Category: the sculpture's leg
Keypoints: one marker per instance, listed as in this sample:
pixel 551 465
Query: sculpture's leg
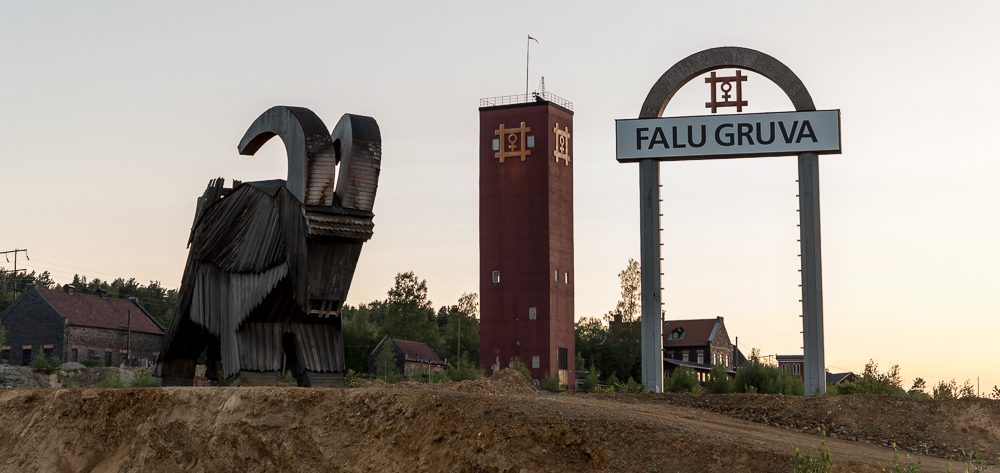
pixel 176 372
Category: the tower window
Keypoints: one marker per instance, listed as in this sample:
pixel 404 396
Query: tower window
pixel 496 277
pixel 531 141
pixel 496 144
pixel 567 278
pixel 536 361
pixel 563 354
pixel 557 275
pixel 532 313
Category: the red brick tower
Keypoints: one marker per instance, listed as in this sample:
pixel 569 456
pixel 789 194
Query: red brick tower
pixel 526 234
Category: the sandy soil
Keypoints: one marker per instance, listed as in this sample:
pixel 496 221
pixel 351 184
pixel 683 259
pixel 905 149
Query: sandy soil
pixel 495 425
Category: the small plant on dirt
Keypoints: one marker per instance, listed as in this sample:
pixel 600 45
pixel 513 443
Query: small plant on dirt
pixel 551 383
pixel 968 390
pixel 113 381
pixel 91 363
pixel 222 380
pixel 45 364
pixel 353 379
pixel 821 463
pixel 996 392
pixel 288 378
pixel 144 381
pixel 516 364
pixel 973 461
pixel 897 467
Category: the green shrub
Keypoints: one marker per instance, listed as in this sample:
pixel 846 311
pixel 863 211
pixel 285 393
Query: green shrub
pixel 353 379
pixel 551 383
pixel 45 364
pixel 464 370
pixel 113 381
pixel 289 377
pixel 757 377
pixel 517 365
pixel 633 386
pixel 945 390
pixel 684 378
pixel 144 381
pixel 873 382
pixel 590 382
pixel 718 380
pixel 91 363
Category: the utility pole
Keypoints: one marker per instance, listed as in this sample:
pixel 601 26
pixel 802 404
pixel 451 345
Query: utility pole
pixel 459 348
pixel 14 272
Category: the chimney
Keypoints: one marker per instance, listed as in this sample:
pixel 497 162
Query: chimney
pixel 102 293
pixel 69 289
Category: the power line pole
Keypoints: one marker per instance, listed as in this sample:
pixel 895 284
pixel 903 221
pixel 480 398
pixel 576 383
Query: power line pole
pixel 14 272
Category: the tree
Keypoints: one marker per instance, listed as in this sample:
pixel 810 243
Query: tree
pixel 409 315
pixel 873 382
pixel 462 325
pixel 589 332
pixel 718 380
pixel 385 362
pixel 621 352
pixel 945 390
pixel 919 385
pixel 360 338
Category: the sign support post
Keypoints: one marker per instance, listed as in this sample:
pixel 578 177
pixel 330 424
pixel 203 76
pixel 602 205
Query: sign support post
pixel 649 267
pixel 814 376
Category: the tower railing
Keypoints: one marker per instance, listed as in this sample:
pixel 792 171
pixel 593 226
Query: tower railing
pixel 522 98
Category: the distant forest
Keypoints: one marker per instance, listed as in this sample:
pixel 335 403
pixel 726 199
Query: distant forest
pixel 153 297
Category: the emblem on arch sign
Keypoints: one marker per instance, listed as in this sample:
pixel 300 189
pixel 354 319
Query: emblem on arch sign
pixel 512 142
pixel 561 150
pixel 725 85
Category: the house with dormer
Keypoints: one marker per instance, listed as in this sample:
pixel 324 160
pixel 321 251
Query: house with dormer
pixel 698 344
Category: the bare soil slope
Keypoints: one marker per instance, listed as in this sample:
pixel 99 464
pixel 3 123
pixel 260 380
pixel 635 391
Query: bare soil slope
pixel 499 425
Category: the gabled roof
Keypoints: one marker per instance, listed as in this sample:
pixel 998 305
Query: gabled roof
pixel 416 351
pixel 690 364
pixel 837 378
pixel 696 332
pixel 85 310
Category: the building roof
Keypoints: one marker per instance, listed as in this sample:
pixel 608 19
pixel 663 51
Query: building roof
pixel 85 310
pixel 696 332
pixel 414 351
pixel 837 378
pixel 690 364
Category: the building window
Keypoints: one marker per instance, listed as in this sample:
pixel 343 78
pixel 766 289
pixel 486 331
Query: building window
pixel 701 357
pixel 90 353
pixel 26 355
pixel 107 357
pixel 557 275
pixel 563 358
pixel 676 334
pixel 47 350
pixel 496 277
pixel 567 278
pixel 74 355
pixel 5 355
pixel 684 355
pixel 536 361
pixel 532 313
pixel 795 369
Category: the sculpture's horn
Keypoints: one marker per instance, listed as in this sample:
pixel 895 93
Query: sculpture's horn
pixel 358 144
pixel 304 135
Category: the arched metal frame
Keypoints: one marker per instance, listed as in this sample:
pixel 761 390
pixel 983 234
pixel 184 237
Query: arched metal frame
pixel 809 221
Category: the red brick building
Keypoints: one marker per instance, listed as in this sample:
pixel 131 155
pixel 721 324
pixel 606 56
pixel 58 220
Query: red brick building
pixel 526 234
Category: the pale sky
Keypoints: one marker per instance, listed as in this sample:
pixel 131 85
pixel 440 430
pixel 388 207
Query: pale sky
pixel 115 115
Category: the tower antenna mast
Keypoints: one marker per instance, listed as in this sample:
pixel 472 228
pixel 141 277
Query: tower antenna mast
pixel 527 66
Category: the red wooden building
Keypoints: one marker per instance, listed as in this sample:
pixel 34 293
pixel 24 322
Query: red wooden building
pixel 526 234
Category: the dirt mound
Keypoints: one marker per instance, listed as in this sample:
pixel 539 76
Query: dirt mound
pixel 419 427
pixel 943 428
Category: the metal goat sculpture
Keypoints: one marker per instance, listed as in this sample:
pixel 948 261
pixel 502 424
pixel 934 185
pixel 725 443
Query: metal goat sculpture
pixel 270 262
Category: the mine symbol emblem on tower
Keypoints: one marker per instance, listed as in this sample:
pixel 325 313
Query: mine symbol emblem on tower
pixel 562 144
pixel 513 142
pixel 726 85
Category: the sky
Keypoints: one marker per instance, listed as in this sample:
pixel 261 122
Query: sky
pixel 115 115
